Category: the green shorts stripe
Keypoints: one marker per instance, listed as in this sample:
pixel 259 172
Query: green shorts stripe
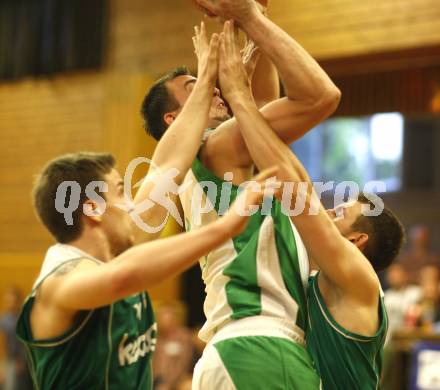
pixel 263 362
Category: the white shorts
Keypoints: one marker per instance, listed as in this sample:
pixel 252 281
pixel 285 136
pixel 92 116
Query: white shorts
pixel 255 353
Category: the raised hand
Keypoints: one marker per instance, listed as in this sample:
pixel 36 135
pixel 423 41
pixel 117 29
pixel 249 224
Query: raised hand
pixel 250 55
pixel 207 53
pixel 234 80
pixel 249 200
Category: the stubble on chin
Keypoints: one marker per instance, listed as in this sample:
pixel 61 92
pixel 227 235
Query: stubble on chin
pixel 222 118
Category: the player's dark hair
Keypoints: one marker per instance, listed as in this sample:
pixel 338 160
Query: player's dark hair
pixel 158 102
pixel 385 235
pixel 83 168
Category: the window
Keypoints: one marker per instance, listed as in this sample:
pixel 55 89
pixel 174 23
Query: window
pixel 355 149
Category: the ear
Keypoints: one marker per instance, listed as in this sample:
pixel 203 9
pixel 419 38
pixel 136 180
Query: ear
pixel 92 211
pixel 169 117
pixel 358 239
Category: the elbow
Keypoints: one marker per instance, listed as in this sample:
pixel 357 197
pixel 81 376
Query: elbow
pixel 119 283
pixel 335 98
pixel 328 101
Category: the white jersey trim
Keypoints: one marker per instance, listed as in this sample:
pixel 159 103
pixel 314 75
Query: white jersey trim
pixel 260 326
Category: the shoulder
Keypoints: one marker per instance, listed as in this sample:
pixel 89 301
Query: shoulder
pixel 72 265
pixel 58 275
pixel 226 144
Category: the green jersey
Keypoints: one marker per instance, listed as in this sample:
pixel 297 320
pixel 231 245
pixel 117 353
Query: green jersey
pixel 261 272
pixel 108 348
pixel 343 359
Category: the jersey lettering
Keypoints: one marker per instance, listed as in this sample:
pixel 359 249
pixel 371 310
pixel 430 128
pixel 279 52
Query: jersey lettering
pixel 130 353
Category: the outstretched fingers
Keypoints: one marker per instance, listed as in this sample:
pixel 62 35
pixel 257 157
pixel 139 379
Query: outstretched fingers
pixel 214 47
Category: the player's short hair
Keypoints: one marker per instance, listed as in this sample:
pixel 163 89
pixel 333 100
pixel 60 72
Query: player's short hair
pixel 386 235
pixel 83 168
pixel 158 102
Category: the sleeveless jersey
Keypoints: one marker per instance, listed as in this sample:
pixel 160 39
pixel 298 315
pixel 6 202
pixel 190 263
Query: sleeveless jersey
pixel 108 348
pixel 263 271
pixel 343 359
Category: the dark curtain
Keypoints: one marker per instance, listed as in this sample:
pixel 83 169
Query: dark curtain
pixel 43 37
pixel 408 91
pixel 404 81
pixel 193 294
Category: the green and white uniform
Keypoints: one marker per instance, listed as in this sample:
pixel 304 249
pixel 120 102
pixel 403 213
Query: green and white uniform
pixel 344 360
pixel 255 307
pixel 108 348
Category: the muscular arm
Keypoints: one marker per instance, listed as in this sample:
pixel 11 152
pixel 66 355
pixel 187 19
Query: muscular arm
pixel 303 79
pixel 338 258
pixel 310 95
pixel 265 82
pixel 180 143
pixel 85 285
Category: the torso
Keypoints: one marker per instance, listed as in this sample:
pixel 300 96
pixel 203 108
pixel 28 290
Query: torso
pixel 344 358
pixel 263 271
pixel 106 348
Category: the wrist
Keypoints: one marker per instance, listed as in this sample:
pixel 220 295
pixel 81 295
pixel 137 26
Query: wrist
pixel 219 229
pixel 248 23
pixel 240 101
pixel 205 81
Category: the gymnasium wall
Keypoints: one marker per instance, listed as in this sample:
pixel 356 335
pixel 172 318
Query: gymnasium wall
pixel 40 119
pixel 156 37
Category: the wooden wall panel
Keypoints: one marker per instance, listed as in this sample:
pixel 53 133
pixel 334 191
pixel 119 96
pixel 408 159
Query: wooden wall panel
pixel 157 37
pixel 39 120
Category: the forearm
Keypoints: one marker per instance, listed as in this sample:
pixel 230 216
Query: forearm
pixel 264 145
pixel 303 78
pixel 176 150
pixel 265 82
pixel 339 260
pixel 135 270
pixel 148 264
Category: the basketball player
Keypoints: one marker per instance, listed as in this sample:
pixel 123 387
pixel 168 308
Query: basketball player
pixel 256 303
pixel 89 323
pixel 347 318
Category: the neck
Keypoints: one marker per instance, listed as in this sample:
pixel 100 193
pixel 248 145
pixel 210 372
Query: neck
pixel 95 244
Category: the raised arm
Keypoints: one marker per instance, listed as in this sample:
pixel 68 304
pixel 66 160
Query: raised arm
pixel 263 74
pixel 180 143
pixel 337 258
pixel 85 285
pixel 304 80
pixel 310 94
pixel 265 82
